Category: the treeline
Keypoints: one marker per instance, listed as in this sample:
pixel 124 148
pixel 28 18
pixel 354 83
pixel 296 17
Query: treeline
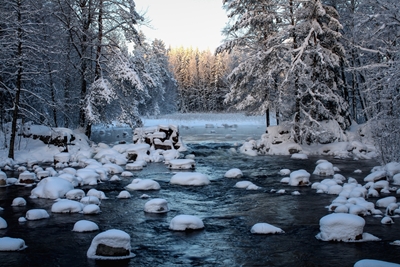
pixel 201 78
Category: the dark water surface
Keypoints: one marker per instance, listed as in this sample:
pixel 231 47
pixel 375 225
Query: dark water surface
pixel 227 212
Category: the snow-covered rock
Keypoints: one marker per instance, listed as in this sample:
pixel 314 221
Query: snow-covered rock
pixel 190 178
pixel 386 201
pixel 90 200
pixel 11 244
pixel 91 209
pixel 66 206
pixel 85 226
pixel 343 227
pixel 18 202
pixel 375 263
pixel 36 214
pixel 375 176
pixel 265 228
pixel 52 188
pixel 324 169
pixel 143 184
pixel 124 194
pixel 75 194
pixel 299 178
pixel 156 205
pixel 181 164
pixel 96 193
pixel 112 244
pixel 186 222
pixel 233 173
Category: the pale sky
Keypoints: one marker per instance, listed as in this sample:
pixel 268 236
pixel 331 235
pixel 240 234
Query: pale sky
pixel 196 23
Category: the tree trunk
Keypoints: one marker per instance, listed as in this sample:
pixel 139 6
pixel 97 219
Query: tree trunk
pixel 18 88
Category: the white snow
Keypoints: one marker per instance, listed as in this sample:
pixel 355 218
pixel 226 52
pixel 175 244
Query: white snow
pixel 156 205
pixel 85 226
pixel 324 169
pixel 143 184
pixel 265 228
pixel 190 178
pixel 11 244
pixel 233 173
pixel 246 185
pixel 186 222
pixel 112 238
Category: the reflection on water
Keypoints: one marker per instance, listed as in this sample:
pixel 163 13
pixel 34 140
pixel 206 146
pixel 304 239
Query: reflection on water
pixel 228 214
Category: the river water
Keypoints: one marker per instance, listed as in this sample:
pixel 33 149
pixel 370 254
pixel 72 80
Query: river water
pixel 227 212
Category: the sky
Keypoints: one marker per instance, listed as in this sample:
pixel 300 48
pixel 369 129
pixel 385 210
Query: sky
pixel 195 23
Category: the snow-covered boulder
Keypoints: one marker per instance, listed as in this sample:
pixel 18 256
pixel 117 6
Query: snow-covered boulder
pixel 75 181
pixel 156 205
pixel 343 227
pixel 18 202
pixel 124 194
pixel 52 188
pixel 96 193
pixel 265 228
pixel 66 206
pixel 75 194
pixel 85 226
pixel 135 166
pixel 90 200
pixel 27 177
pixel 324 168
pixel 284 172
pixel 138 152
pixel 375 176
pixel 181 164
pixel 190 178
pixel 110 245
pixel 91 209
pixel 143 184
pixel 186 222
pixel 88 176
pixel 233 173
pixel 246 185
pixel 375 263
pixel 299 178
pixel 386 201
pixel 36 214
pixel 11 244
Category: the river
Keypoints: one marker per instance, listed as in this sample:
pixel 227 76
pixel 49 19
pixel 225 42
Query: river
pixel 227 212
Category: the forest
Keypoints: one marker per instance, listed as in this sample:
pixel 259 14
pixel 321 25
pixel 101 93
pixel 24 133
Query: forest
pixel 77 63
